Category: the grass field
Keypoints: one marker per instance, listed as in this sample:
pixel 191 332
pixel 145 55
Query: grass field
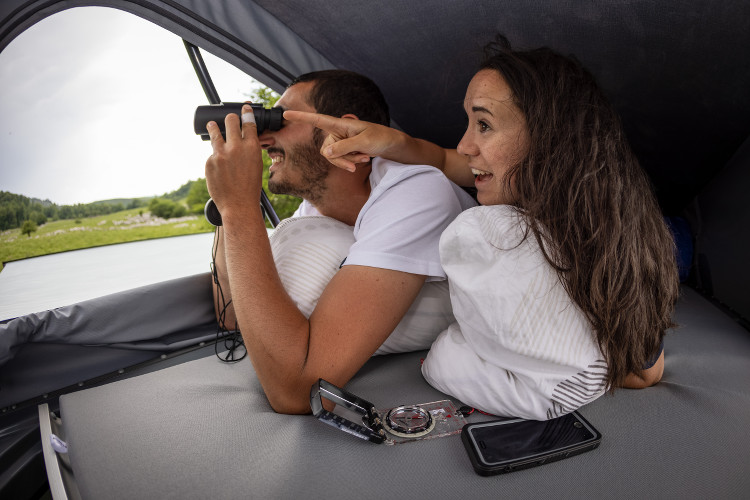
pixel 128 225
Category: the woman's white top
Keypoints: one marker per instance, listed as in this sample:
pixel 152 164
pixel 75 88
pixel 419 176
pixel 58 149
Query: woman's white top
pixel 520 346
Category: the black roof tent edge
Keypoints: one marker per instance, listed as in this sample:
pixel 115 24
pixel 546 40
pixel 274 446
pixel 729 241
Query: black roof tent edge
pixel 279 75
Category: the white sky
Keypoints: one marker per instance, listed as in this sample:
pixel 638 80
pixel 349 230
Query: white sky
pixel 97 104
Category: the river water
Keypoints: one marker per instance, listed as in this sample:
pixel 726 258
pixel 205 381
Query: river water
pixel 41 283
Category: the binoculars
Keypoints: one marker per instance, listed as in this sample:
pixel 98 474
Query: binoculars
pixel 265 118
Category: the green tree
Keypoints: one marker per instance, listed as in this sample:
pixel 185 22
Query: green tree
pixel 180 192
pixel 179 210
pixel 38 217
pixel 264 96
pixel 197 196
pixel 28 227
pixel 66 212
pixel 165 208
pixel 50 211
pixel 7 218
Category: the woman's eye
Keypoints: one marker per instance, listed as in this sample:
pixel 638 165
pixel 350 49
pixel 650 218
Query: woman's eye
pixel 483 127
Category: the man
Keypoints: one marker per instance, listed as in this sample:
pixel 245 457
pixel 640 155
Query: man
pixel 398 213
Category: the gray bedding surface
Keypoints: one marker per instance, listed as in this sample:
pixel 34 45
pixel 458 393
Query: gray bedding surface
pixel 203 429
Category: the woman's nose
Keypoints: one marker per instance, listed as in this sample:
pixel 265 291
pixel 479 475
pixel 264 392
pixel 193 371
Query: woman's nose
pixel 466 146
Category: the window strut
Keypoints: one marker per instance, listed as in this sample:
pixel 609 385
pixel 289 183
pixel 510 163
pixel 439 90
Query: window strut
pixel 204 78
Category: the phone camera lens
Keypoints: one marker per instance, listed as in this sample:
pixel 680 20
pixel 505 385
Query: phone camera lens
pixel 577 425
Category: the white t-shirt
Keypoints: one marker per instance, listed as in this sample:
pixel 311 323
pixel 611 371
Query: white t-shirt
pixel 520 346
pixel 398 228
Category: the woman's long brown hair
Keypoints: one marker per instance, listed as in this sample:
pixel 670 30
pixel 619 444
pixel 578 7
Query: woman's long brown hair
pixel 590 205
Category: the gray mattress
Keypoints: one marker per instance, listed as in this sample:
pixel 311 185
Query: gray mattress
pixel 203 429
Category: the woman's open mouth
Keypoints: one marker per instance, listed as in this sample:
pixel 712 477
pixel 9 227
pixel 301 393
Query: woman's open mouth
pixel 480 175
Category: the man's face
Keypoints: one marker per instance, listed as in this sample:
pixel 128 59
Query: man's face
pixel 297 167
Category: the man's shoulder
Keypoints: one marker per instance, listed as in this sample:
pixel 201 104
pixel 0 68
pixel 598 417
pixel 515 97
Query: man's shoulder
pixel 421 184
pixel 392 172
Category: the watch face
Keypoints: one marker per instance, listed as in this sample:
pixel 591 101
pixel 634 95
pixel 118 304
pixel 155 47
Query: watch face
pixel 409 421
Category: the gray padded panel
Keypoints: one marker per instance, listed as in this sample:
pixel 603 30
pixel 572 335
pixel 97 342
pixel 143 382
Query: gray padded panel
pixel 204 429
pixel 46 351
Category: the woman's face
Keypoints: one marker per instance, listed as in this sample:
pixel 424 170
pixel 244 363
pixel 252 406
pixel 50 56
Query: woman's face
pixel 496 138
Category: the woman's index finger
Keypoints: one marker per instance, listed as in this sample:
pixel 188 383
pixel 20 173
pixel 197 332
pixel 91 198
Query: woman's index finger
pixel 326 123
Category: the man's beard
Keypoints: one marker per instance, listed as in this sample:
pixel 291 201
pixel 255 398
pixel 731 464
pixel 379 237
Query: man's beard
pixel 313 170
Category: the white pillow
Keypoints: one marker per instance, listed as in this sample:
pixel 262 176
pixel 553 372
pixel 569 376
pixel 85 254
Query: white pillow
pixel 309 250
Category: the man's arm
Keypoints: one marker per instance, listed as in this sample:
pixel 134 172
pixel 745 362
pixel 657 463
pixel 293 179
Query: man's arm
pixel 355 314
pixel 222 292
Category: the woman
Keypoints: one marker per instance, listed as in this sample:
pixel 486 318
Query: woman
pixel 564 283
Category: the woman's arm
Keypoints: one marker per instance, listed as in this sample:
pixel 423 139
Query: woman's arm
pixel 648 377
pixel 419 151
pixel 351 141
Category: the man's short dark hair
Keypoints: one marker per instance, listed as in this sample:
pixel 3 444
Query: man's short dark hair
pixel 338 92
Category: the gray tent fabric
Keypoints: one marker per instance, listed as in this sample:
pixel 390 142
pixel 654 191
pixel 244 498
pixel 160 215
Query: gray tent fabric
pixel 106 333
pixel 243 33
pixel 204 429
pixel 678 76
pixel 127 320
pixel 673 74
pixel 721 218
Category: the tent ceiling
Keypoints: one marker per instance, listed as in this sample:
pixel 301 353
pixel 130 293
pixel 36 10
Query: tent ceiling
pixel 678 72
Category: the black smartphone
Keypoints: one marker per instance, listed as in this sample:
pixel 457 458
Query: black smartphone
pixel 502 446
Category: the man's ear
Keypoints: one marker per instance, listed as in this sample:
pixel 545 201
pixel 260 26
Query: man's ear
pixel 350 116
